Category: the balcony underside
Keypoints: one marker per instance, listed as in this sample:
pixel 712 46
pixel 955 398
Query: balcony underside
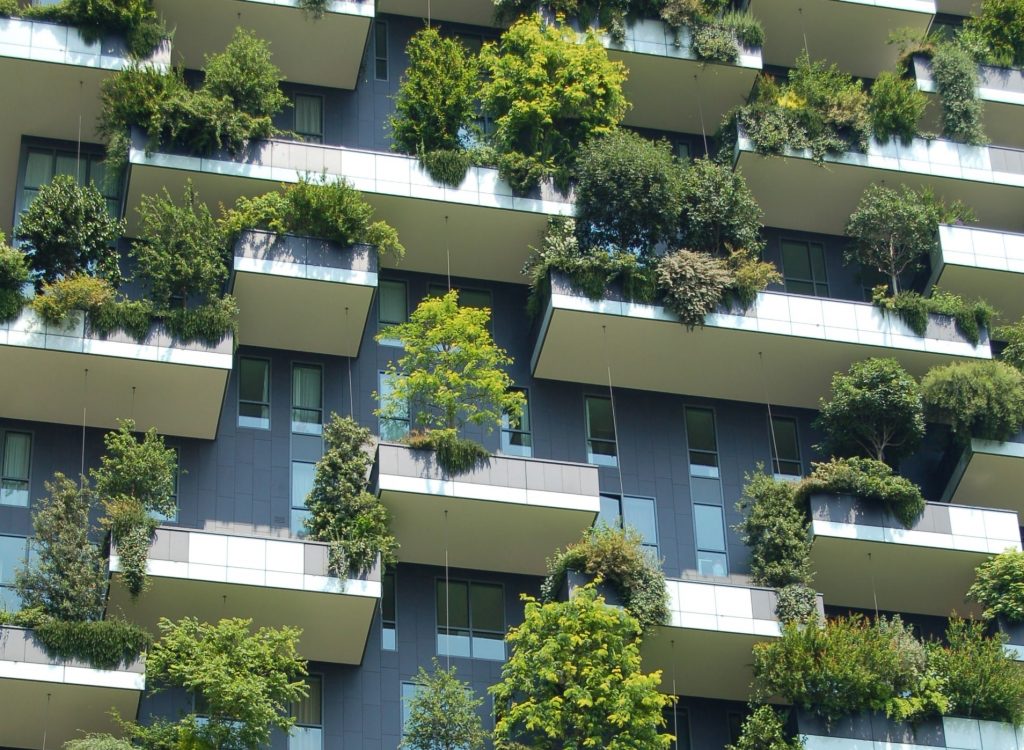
pixel 1002 289
pixel 989 473
pixel 702 663
pixel 470 12
pixel 334 626
pixel 481 242
pixel 798 193
pixel 827 26
pixel 203 27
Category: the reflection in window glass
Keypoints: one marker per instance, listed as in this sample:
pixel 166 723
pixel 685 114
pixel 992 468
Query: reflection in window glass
pixel 470 620
pixel 302 484
pixel 391 428
pixel 307 399
pixel 701 441
pixel 640 513
pixel 785 447
pixel 13 555
pixel 803 266
pixel 601 448
pixel 516 436
pixel 15 462
pixel 254 393
pixel 388 612
pixel 709 524
pixel 307 733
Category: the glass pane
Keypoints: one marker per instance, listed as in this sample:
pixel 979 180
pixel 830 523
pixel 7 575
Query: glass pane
pixel 487 605
pixel 305 738
pixel 302 482
pixel 609 515
pixel 388 639
pixel 795 261
pixel 799 287
pixel 306 390
pixel 703 464
pixel 639 513
pixel 307 711
pixel 67 164
pixel 700 431
pixel 381 39
pixel 297 522
pixel 409 690
pixel 38 168
pixel 710 527
pixel 309 115
pixel 785 446
pixel 817 255
pixel 474 298
pixel 17 451
pixel 254 380
pixel 392 305
pixel 9 600
pixel 599 420
pixel 14 492
pixel 456 604
pixel 12 557
pixel 712 564
pixel 387 602
pixel 455 643
pixel 488 647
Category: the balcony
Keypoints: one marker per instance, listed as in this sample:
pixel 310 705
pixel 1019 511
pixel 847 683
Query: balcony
pixel 51 81
pixel 981 263
pixel 1001 90
pixel 456 11
pixel 989 472
pixel 205 26
pixel 796 192
pixel 826 25
pixel 864 558
pixel 866 731
pixel 72 375
pixel 507 517
pixel 784 348
pixel 705 649
pixel 301 293
pixel 436 223
pixel 274 582
pixel 49 701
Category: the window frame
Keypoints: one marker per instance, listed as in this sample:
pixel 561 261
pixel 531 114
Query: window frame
pixel 320 676
pixel 707 550
pixel 814 283
pixel 379 58
pixel 620 523
pixel 26 553
pixel 393 574
pixel 270 393
pixel 92 154
pixel 704 471
pixel 297 513
pixel 600 459
pixel 773 440
pixel 381 421
pixel 295 364
pixel 4 432
pixel 442 630
pixel 508 432
pixel 317 138
pixel 385 324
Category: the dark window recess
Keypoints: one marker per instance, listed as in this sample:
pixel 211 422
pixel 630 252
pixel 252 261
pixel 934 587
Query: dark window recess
pixel 380 50
pixel 471 620
pixel 254 393
pixel 785 447
pixel 803 268
pixel 601 446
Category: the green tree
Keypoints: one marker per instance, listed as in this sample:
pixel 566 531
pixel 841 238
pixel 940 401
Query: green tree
pixel 65 579
pixel 775 529
pixel 180 253
pixel 67 230
pixel 245 74
pixel 244 680
pixel 574 681
pixel 763 729
pixel 896 106
pixel 956 81
pixel 548 92
pixel 14 274
pixel 628 192
pixel 1000 27
pixel 875 411
pixel 999 586
pixel 342 510
pixel 977 399
pixel 443 713
pixel 719 212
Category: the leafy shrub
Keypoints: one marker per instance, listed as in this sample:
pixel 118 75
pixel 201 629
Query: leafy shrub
pixel 875 411
pixel 104 644
pixel 774 527
pixel 628 193
pixel 693 284
pixel 796 602
pixel 1013 335
pixel 868 480
pixel 750 276
pixel 98 742
pixel 616 556
pixel 999 586
pixel 715 41
pixel 980 679
pixel 447 166
pixel 14 275
pixel 455 455
pixel 245 74
pixel 956 81
pixel 443 713
pixel 135 20
pixel 67 230
pixel 330 210
pixel 763 729
pixel 913 309
pixel 547 89
pixel 999 26
pixel 57 301
pixel 208 323
pixel 719 212
pixel 896 107
pixel 977 399
pixel 745 26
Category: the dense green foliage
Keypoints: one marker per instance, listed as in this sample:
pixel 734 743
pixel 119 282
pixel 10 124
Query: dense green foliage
pixel 135 20
pixel 342 510
pixel 547 93
pixel 99 742
pixel 65 578
pixel 956 81
pixel 66 231
pixel 329 210
pixel 719 214
pixel 977 399
pixel 896 107
pixel 455 454
pixel 436 104
pixel 443 713
pixel 875 411
pixel 245 75
pixel 617 557
pixel 1013 335
pixel 763 729
pixel 574 680
pixel 14 274
pixel 868 480
pixel 693 284
pixel 104 644
pixel 971 316
pixel 999 30
pixel 314 8
pixel 999 586
pixel 629 193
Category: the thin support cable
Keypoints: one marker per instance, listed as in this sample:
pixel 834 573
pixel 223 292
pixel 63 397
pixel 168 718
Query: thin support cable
pixel 351 395
pixel 615 421
pixel 448 251
pixel 874 592
pixel 675 694
pixel 85 407
pixel 78 143
pixel 768 402
pixel 447 601
pixel 46 719
pixel 803 30
pixel 133 403
pixel 700 111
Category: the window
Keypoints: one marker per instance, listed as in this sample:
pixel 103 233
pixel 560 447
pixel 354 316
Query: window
pixel 380 50
pixel 601 448
pixel 637 513
pixel 13 554
pixel 392 307
pixel 478 298
pixel 302 485
pixel 391 428
pixel 254 393
pixel 307 734
pixel 173 517
pixel 309 117
pixel 803 268
pixel 471 620
pixel 15 463
pixel 785 447
pixel 388 612
pixel 677 723
pixel 307 399
pixel 43 163
pixel 516 436
pixel 702 444
pixel 409 691
pixel 709 523
pixel 682 150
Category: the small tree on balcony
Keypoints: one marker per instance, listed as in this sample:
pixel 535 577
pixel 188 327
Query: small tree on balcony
pixel 443 713
pixel 14 274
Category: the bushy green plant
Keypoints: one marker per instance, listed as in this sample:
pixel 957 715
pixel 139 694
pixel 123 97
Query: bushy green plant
pixel 134 19
pixel 763 729
pixel 443 713
pixel 956 82
pixel 980 679
pixel 1013 335
pixel 745 26
pixel 999 586
pixel 57 301
pixel 342 510
pixel 868 480
pixel 617 557
pixel 796 602
pixel 896 107
pixel 999 27
pixel 98 742
pixel 104 644
pixel 447 166
pixel 714 41
pixel 314 8
pixel 65 577
pixel 455 455
pixel 719 212
pixel 971 317
pixel 629 193
pixel 548 92
pixel 750 275
pixel 875 411
pixel 977 399
pixel 556 689
pixel 245 74
pixel 209 323
pixel 774 527
pixel 693 284
pixel 67 230
pixel 14 274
